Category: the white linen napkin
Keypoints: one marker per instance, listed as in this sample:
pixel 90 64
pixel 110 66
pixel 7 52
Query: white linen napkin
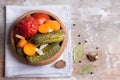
pixel 14 68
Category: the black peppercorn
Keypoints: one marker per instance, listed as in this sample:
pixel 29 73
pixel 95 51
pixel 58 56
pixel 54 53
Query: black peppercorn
pixel 78 35
pixel 79 43
pixel 73 24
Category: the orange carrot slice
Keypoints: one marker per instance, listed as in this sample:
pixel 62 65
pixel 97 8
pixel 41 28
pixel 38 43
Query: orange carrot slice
pixel 53 24
pixel 22 43
pixel 43 28
pixel 49 25
pixel 29 49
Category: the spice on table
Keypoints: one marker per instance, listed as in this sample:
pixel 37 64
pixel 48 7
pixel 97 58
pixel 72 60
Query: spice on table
pixel 91 73
pixel 97 48
pixel 80 61
pixel 78 35
pixel 92 56
pixel 78 53
pixel 60 64
pixel 79 43
pixel 85 69
pixel 85 41
pixel 73 24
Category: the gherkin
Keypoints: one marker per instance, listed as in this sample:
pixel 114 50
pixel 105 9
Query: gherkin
pixel 48 51
pixel 20 51
pixel 52 37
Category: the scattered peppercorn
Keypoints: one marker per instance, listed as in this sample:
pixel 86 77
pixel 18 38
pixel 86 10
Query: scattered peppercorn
pixel 60 64
pixel 80 61
pixel 97 48
pixel 79 43
pixel 73 24
pixel 91 73
pixel 78 35
pixel 85 41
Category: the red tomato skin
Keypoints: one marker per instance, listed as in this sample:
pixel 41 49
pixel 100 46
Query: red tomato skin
pixel 41 18
pixel 27 27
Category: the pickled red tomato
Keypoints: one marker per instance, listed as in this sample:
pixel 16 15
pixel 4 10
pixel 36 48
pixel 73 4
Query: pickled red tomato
pixel 27 27
pixel 41 17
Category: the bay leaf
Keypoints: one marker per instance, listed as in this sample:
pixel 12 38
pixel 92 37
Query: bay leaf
pixel 78 53
pixel 85 69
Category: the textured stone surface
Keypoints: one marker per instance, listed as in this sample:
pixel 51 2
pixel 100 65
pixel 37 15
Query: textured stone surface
pixel 96 21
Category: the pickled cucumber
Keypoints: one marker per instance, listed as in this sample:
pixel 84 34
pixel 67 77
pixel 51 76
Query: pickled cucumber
pixel 20 51
pixel 52 37
pixel 48 51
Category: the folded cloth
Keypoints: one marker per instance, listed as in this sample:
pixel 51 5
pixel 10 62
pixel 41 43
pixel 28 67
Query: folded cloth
pixel 14 68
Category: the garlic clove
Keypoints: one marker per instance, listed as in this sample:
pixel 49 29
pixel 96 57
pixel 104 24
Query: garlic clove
pixel 92 56
pixel 39 51
pixel 19 36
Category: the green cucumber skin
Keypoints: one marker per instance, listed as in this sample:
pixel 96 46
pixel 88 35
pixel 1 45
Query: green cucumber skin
pixel 52 37
pixel 48 51
pixel 20 51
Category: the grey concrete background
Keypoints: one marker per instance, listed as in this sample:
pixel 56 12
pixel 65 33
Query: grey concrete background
pixel 97 21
